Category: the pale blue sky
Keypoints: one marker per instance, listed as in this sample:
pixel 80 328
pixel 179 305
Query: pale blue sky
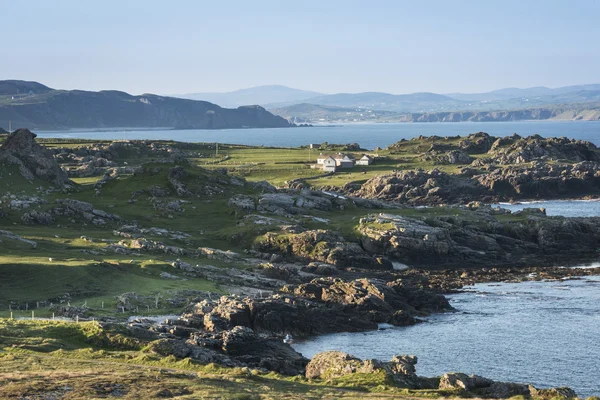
pixel 329 46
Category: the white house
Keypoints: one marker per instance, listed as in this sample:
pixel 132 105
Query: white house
pixel 344 160
pixel 322 157
pixel 365 160
pixel 329 164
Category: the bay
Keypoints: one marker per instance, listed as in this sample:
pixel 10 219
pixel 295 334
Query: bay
pixel 368 136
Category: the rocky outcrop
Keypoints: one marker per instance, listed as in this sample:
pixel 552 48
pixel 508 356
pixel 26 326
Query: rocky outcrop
pixel 288 203
pixel 37 218
pixel 448 157
pixel 517 150
pixel 85 210
pixel 320 245
pixel 506 169
pixel 396 302
pixel 461 240
pixel 176 174
pixel 487 388
pixel 500 184
pixel 33 160
pixel 401 371
pixel 334 364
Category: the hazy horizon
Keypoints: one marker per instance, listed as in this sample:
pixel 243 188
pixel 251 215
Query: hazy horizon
pixel 329 47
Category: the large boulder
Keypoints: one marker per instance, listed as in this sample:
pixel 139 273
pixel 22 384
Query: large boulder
pixel 32 159
pixel 335 364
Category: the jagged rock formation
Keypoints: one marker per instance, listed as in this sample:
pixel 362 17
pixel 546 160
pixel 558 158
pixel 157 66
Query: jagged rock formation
pixel 334 364
pixel 320 245
pixel 500 184
pixel 32 159
pixel 401 370
pixel 513 168
pixel 462 241
pixel 238 331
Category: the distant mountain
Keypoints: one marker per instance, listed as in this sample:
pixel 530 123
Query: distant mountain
pixel 387 101
pixel 511 93
pixel 312 113
pixel 32 105
pixel 260 95
pixel 503 99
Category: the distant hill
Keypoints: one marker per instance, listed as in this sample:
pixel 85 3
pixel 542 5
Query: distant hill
pixel 12 87
pixel 44 108
pixel 260 95
pixel 313 113
pixel 503 99
pixel 511 93
pixel 386 102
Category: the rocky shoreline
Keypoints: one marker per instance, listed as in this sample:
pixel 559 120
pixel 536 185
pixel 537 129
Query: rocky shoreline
pixel 248 332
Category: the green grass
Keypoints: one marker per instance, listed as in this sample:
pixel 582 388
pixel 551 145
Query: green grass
pixel 40 357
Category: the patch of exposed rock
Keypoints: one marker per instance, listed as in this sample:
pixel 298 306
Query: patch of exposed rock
pixel 401 370
pixel 511 183
pixel 461 240
pixel 71 207
pixel 33 160
pixel 320 245
pixel 334 364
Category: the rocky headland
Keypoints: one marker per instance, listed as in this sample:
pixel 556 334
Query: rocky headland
pixel 491 170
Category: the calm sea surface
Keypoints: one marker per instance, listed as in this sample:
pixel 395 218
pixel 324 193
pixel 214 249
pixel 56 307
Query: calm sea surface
pixel 368 136
pixel 544 333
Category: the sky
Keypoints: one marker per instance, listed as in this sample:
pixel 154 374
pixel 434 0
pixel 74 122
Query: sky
pixel 330 46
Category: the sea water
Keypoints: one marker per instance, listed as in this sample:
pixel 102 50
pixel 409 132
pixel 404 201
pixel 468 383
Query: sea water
pixel 543 333
pixel 369 136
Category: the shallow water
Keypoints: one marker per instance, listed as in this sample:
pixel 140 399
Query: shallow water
pixel 368 136
pixel 544 333
pixel 565 208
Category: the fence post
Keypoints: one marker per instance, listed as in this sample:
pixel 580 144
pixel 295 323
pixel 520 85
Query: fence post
pixel 11 315
pixel 32 315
